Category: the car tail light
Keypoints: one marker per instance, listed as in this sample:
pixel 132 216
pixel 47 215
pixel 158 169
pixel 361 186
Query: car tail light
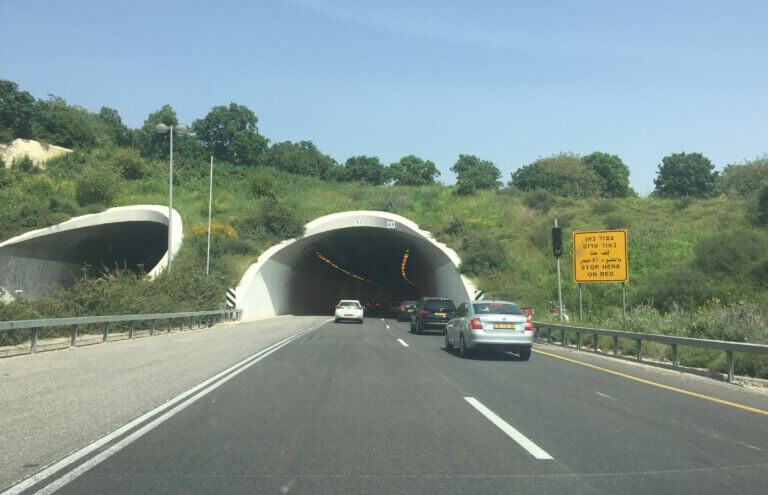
pixel 402 307
pixel 528 324
pixel 476 324
pixel 423 312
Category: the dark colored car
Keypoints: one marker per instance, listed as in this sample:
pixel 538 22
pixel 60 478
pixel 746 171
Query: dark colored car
pixel 393 309
pixel 406 310
pixel 432 313
pixel 373 308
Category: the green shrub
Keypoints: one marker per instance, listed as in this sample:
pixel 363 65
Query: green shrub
pixel 762 207
pixel 682 286
pixel 743 179
pixel 129 163
pixel 683 203
pixel 616 222
pixel 391 202
pixel 539 199
pixel 261 184
pixel 96 186
pixel 279 220
pixel 564 174
pixel 483 256
pixel 25 164
pixel 60 205
pixel 731 252
pixel 603 206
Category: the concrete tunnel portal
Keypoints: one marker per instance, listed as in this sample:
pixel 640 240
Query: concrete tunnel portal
pixel 351 255
pixel 33 264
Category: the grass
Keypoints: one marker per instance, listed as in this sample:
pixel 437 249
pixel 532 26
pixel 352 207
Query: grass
pixel 663 234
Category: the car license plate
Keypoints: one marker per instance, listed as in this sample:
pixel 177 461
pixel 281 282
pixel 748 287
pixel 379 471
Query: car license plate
pixel 439 314
pixel 348 314
pixel 503 325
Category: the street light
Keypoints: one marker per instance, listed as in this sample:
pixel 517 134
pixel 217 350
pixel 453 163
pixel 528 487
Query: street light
pixel 163 129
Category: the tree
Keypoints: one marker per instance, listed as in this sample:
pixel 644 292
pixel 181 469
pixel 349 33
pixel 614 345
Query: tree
pixel 17 111
pixel 302 158
pixel 613 173
pixel 413 171
pixel 363 169
pixel 230 134
pixel 473 173
pixel 70 126
pixel 119 132
pixel 156 146
pixel 745 178
pixel 564 175
pixel 685 174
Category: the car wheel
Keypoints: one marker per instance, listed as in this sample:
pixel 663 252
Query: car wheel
pixel 525 354
pixel 335 320
pixel 412 329
pixel 448 345
pixel 360 322
pixel 463 350
pixel 419 329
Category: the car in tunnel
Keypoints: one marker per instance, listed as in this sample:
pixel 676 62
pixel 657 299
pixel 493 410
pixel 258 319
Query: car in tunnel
pixel 349 309
pixel 432 313
pixel 490 325
pixel 406 310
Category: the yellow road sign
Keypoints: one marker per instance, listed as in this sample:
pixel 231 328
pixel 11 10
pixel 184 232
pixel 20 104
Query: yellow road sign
pixel 600 256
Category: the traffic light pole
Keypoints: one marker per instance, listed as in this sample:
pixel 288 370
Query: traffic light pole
pixel 559 289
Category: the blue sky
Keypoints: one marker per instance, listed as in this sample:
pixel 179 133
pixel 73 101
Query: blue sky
pixel 507 81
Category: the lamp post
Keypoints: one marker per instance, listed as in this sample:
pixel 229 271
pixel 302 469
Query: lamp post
pixel 163 129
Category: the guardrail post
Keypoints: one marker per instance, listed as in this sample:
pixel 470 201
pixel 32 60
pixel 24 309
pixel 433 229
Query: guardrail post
pixel 639 350
pixel 73 336
pixel 594 342
pixel 578 340
pixel 130 331
pixel 729 357
pixel 562 337
pixel 549 335
pixel 152 328
pixel 33 340
pixel 170 324
pixel 615 346
pixel 674 355
pixel 105 332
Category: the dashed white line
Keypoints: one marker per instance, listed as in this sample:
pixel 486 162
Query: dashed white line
pixel 603 395
pixel 403 342
pixel 387 327
pixel 515 435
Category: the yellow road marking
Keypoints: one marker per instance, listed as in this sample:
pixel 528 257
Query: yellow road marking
pixel 654 384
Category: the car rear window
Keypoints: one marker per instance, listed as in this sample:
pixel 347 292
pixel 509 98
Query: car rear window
pixel 349 304
pixel 497 308
pixel 437 304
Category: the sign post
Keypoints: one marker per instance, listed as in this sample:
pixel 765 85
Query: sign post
pixel 600 256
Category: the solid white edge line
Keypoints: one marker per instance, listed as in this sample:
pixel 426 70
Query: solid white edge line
pixel 403 342
pixel 97 444
pixel 515 435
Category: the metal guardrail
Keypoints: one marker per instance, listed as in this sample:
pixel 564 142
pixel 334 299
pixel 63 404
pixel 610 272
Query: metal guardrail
pixel 210 318
pixel 674 342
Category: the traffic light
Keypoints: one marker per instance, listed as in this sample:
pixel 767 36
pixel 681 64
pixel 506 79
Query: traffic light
pixel 557 241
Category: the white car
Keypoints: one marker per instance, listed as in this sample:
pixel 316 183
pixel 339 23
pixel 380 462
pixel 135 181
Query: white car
pixel 349 309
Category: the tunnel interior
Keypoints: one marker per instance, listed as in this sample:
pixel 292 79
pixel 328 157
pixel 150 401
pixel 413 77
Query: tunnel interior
pixel 32 268
pixel 310 275
pixel 328 268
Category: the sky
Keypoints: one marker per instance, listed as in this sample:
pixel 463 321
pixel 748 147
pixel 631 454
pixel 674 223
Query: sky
pixel 505 80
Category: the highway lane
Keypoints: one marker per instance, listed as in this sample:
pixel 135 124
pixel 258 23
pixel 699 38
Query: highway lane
pixel 349 408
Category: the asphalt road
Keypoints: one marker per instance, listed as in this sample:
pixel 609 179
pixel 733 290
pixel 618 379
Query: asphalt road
pixel 371 408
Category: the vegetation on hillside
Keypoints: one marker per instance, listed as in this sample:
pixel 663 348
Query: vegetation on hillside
pixel 698 256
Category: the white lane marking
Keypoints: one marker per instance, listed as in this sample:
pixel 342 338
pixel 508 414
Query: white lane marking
pixel 403 342
pixel 387 327
pixel 603 395
pixel 74 457
pixel 515 435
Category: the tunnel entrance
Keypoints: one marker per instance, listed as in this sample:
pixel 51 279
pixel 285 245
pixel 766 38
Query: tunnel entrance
pixel 34 264
pixel 352 255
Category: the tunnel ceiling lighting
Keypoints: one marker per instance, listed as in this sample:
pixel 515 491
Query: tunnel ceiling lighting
pixel 406 255
pixel 326 260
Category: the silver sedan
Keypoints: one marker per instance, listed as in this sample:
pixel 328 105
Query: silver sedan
pixel 492 325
